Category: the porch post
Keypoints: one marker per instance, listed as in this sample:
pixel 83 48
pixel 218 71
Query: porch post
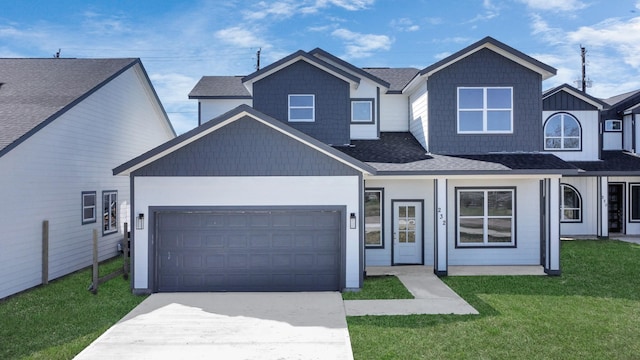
pixel 440 262
pixel 603 206
pixel 552 266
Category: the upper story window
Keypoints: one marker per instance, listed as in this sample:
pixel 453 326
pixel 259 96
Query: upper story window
pixel 485 110
pixel 362 111
pixel 613 125
pixel 302 108
pixel 562 132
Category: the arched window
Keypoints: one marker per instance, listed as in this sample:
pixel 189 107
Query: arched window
pixel 562 132
pixel 571 204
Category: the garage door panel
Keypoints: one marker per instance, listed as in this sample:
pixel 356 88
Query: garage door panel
pixel 273 250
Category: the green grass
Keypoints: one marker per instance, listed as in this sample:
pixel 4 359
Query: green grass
pixel 57 321
pixel 380 287
pixel 592 311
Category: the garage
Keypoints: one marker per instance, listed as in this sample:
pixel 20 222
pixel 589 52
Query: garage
pixel 249 249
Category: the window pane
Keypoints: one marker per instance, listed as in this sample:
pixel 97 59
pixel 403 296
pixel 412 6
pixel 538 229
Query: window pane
pixel 571 199
pixel 470 98
pixel 89 200
pixel 499 203
pixel 301 100
pixel 411 211
pixel 470 121
pixel 498 120
pixel 373 223
pixel 88 213
pixel 570 214
pixel 572 143
pixel 411 237
pixel 571 127
pixel 301 114
pixel 552 143
pixel 499 230
pixel 471 203
pixel 402 237
pixel 361 111
pixel 553 126
pixel 499 98
pixel 471 231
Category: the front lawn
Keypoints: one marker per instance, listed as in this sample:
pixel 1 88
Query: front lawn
pixel 57 321
pixel 592 311
pixel 379 287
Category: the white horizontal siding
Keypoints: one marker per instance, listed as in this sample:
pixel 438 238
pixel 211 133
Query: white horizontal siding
pixel 246 191
pixel 527 218
pixel 42 179
pixel 394 113
pixel 588 189
pixel 403 190
pixel 419 116
pixel 212 108
pixel 589 124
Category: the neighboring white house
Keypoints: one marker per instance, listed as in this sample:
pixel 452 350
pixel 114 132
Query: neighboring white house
pixel 64 124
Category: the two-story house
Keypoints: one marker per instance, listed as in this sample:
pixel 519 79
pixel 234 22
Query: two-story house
pixel 597 136
pixel 305 172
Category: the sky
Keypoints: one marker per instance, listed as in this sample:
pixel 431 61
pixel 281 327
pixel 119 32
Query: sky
pixel 181 41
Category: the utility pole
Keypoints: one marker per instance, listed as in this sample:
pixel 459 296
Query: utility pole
pixel 583 53
pixel 57 55
pixel 258 59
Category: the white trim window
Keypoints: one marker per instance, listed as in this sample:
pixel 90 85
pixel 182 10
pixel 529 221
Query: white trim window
pixel 613 125
pixel 88 207
pixel 302 108
pixel 373 199
pixel 110 212
pixel 562 132
pixel 362 111
pixel 571 204
pixel 485 217
pixel 485 110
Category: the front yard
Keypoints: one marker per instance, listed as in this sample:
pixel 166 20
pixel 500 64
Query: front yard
pixel 592 311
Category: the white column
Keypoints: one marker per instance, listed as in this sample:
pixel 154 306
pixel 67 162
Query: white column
pixel 604 206
pixel 441 262
pixel 553 243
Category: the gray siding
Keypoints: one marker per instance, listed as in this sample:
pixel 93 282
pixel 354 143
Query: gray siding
pixel 332 116
pixel 565 101
pixel 246 148
pixel 485 68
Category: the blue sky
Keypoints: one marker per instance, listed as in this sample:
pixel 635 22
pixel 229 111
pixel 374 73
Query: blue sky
pixel 180 41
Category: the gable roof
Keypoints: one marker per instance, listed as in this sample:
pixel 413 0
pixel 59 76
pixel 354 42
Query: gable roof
pixel 623 104
pixel 321 53
pixel 496 46
pixel 35 92
pixel 577 93
pixel 621 97
pixel 220 87
pixel 301 56
pixel 397 78
pixel 612 163
pixel 239 112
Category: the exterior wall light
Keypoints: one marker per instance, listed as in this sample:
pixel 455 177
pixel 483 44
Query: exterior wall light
pixel 352 220
pixel 140 222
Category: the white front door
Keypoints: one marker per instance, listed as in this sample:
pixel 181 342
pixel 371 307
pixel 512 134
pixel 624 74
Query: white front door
pixel 407 232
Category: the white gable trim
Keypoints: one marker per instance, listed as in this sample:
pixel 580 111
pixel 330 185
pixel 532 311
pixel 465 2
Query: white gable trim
pixel 576 94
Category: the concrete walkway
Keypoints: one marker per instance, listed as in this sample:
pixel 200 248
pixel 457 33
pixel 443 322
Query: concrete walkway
pixel 432 296
pixel 229 326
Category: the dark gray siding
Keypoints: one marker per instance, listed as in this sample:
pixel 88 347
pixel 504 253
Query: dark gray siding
pixel 485 68
pixel 270 96
pixel 245 148
pixel 565 101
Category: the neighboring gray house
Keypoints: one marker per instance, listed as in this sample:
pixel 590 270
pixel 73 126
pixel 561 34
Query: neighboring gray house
pixel 308 170
pixel 599 137
pixel 64 124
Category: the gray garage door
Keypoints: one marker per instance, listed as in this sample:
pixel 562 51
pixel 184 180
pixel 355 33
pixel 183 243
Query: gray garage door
pixel 248 250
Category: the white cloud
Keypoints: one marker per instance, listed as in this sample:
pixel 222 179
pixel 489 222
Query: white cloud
pixel 352 5
pixel 362 45
pixel 612 35
pixel 404 24
pixel 555 5
pixel 284 9
pixel 490 11
pixel 241 37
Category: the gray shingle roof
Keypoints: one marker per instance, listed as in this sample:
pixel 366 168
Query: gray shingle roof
pixel 397 78
pixel 618 98
pixel 400 153
pixel 612 163
pixel 36 91
pixel 220 87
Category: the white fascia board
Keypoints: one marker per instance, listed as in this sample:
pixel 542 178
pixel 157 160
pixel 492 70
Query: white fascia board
pixel 578 95
pixel 464 177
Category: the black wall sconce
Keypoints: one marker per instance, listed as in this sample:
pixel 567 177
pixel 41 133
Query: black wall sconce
pixel 352 220
pixel 140 222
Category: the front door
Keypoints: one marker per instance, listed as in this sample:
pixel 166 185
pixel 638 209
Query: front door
pixel 407 232
pixel 616 208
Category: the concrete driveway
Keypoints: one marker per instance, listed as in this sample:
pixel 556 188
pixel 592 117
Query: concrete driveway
pixel 229 326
